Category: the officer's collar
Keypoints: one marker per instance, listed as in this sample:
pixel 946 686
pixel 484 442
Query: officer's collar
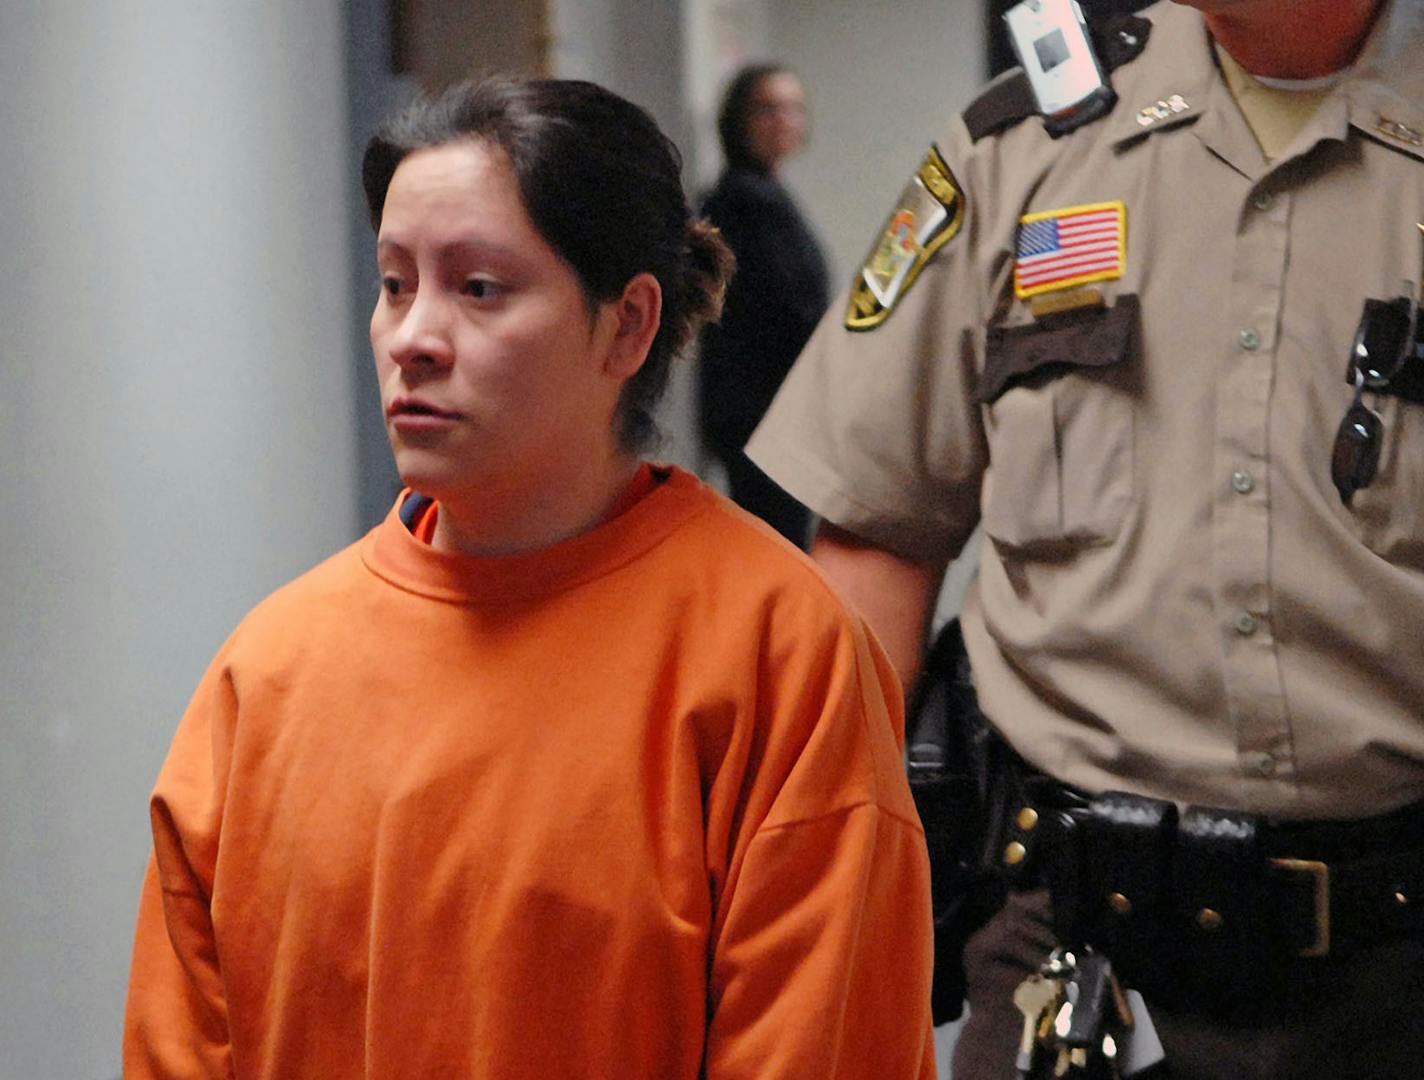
pixel 1179 84
pixel 1169 86
pixel 1385 90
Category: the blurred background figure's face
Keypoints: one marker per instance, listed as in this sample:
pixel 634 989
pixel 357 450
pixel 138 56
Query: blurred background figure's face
pixel 776 119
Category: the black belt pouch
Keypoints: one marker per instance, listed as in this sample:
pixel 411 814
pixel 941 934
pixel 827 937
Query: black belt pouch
pixel 1126 873
pixel 1232 944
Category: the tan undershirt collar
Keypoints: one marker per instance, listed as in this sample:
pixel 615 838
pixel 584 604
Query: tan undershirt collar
pixel 1275 114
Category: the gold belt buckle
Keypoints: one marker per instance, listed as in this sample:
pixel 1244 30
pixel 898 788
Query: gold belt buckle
pixel 1320 873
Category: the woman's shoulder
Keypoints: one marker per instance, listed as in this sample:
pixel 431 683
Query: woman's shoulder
pixel 741 559
pixel 304 611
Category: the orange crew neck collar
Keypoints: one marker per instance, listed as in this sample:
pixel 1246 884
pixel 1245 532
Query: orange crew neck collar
pixel 658 500
pixel 644 480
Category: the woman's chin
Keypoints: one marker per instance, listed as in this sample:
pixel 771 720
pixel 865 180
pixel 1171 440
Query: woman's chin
pixel 435 474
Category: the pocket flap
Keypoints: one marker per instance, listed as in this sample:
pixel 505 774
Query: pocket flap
pixel 1087 337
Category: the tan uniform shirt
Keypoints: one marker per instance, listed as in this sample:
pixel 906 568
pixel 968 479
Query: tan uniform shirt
pixel 1174 598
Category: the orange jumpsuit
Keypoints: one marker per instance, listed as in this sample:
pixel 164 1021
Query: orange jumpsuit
pixel 632 806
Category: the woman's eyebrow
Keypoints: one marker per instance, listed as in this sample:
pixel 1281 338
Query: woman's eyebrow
pixel 458 247
pixel 480 247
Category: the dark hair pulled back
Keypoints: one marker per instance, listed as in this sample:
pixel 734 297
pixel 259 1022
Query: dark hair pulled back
pixel 603 186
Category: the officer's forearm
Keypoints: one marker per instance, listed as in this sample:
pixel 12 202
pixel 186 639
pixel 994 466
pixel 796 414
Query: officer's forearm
pixel 895 595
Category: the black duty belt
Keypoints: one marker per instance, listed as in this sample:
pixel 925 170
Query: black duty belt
pixel 1208 900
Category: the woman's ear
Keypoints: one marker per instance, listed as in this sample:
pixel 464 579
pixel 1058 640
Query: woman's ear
pixel 635 317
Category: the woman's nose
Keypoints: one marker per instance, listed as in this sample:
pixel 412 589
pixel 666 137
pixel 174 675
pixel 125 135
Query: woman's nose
pixel 423 337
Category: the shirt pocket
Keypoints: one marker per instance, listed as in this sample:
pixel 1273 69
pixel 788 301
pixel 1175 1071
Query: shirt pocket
pixel 1387 515
pixel 1059 420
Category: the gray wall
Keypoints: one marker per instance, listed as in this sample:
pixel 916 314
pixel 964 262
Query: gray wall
pixel 633 47
pixel 176 424
pixel 882 80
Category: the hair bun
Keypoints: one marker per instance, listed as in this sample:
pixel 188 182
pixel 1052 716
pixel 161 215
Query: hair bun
pixel 710 267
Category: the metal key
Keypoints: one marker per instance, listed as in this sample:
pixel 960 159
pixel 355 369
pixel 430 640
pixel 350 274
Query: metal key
pixel 1035 998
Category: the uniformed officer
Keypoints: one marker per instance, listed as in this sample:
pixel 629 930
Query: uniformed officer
pixel 1165 359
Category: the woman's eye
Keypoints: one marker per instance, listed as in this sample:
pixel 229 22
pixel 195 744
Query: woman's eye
pixel 481 288
pixel 391 286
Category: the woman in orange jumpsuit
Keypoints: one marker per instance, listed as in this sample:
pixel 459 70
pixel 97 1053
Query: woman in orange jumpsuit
pixel 569 768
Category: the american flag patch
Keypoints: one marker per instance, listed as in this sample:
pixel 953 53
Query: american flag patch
pixel 1063 248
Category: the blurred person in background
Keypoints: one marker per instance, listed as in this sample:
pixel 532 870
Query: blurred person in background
pixel 777 294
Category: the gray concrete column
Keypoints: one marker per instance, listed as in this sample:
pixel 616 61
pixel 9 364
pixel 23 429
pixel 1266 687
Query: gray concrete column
pixel 176 430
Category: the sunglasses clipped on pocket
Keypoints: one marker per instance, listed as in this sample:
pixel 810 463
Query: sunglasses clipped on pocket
pixel 1387 357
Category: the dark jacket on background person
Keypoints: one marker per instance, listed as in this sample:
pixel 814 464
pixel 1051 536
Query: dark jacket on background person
pixel 776 297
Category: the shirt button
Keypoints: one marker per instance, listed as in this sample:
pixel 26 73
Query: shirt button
pixel 1261 763
pixel 1246 624
pixel 1261 200
pixel 1242 483
pixel 1250 340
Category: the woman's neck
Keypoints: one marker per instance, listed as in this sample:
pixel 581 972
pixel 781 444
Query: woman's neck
pixel 526 516
pixel 1292 39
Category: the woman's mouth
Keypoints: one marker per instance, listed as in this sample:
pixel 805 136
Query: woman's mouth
pixel 416 414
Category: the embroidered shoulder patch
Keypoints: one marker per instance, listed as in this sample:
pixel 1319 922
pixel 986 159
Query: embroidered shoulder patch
pixel 1059 249
pixel 928 215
